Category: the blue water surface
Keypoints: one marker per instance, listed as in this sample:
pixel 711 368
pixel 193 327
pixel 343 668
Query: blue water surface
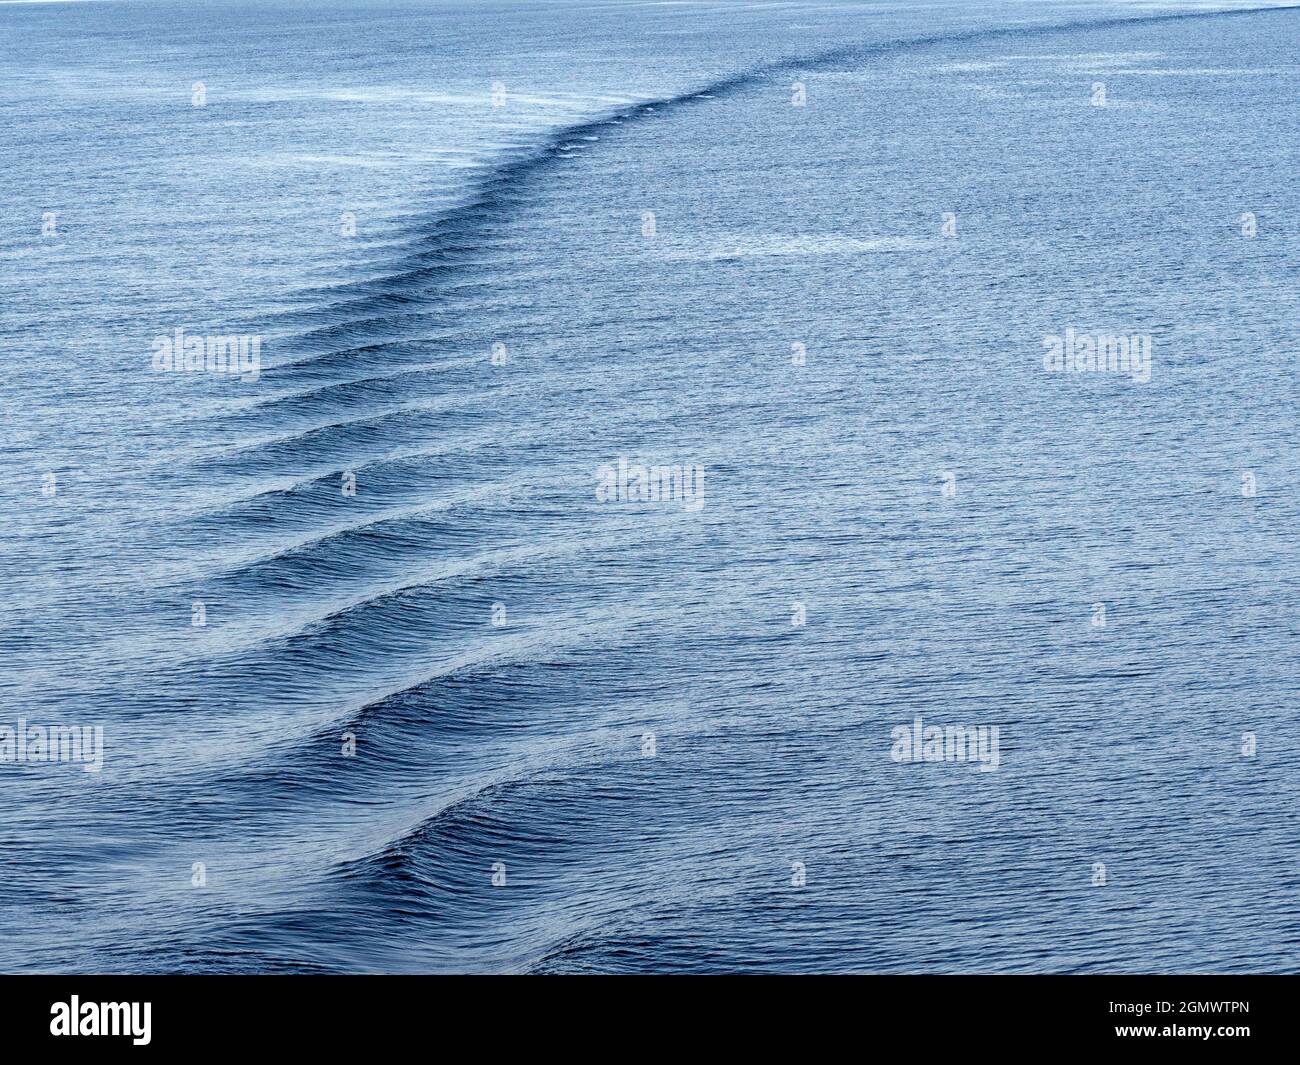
pixel 385 686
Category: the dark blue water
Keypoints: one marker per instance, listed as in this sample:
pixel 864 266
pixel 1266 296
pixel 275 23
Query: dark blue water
pixel 385 686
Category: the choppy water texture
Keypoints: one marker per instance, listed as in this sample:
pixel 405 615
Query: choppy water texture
pixel 524 221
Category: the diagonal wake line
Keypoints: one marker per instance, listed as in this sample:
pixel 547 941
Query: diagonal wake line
pixel 453 230
pixel 448 238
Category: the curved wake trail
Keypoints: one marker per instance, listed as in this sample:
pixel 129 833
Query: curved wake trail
pixel 371 613
pixel 555 775
pixel 453 238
